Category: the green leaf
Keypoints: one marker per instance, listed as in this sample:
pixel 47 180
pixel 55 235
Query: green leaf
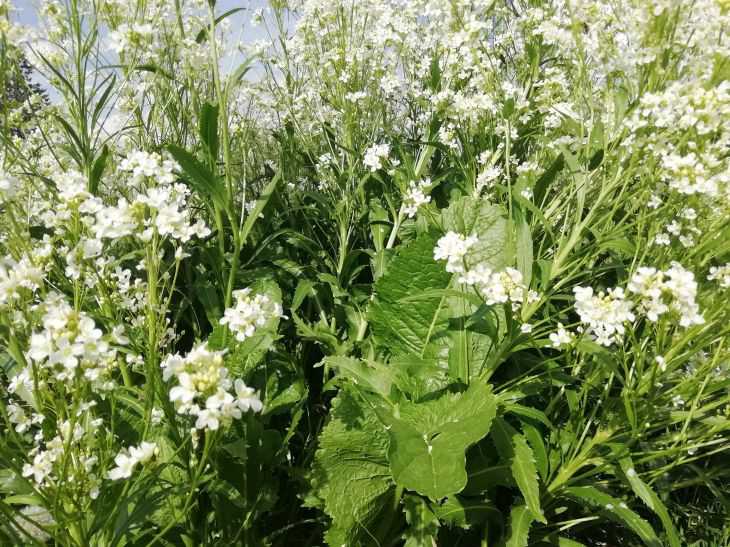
pixel 428 440
pixel 409 328
pixel 465 512
pixel 617 510
pixel 237 74
pixel 520 521
pixel 350 474
pixel 565 542
pixel 652 501
pixel 199 176
pixel 97 169
pixel 523 237
pixel 417 377
pixel 370 375
pixel 471 216
pixel 534 437
pixel 261 202
pixel 203 34
pixel 209 131
pixel 524 471
pixel 423 524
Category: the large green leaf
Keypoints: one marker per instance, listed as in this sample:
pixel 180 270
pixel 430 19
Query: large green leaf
pixel 471 342
pixel 524 471
pixel 350 473
pixel 410 327
pixel 473 216
pixel 370 375
pixel 428 440
pixel 617 510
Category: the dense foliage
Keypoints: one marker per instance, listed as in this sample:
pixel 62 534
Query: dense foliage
pixel 409 272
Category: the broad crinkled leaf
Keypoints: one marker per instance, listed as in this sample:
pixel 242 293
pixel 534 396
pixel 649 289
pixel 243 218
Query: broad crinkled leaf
pixel 471 343
pixel 428 440
pixel 369 375
pixel 472 216
pixel 409 327
pixel 350 472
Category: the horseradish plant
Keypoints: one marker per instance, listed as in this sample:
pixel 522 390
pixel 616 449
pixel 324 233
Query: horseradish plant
pixel 402 273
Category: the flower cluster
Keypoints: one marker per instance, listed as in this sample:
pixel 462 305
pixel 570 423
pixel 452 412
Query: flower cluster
pixel 249 312
pixel 75 438
pixel 70 346
pixel 416 197
pixel 561 337
pixel 453 248
pixel 657 293
pixel 603 313
pixel 495 286
pixel 499 287
pixel 145 165
pixel 16 277
pixel 375 156
pixel 672 290
pixel 128 459
pixel 203 387
pixel 721 274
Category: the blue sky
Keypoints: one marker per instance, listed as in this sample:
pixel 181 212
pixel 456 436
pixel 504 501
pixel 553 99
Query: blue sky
pixel 25 13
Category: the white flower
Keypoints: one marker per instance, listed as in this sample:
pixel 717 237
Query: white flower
pixel 498 287
pixel 375 155
pixel 648 283
pixel 144 452
pixel 246 397
pixel 17 416
pixel 486 178
pixel 562 337
pixel 453 248
pixel 8 186
pixel 125 465
pixel 203 388
pixel 208 419
pixel 127 460
pixel 683 288
pixel 416 197
pixel 720 274
pixel 604 313
pixel 42 465
pixel 249 313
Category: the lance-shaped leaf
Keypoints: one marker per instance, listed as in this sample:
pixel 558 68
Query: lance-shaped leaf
pixel 652 501
pixel 199 176
pixel 208 128
pixel 524 471
pixel 428 441
pixel 520 520
pixel 616 510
